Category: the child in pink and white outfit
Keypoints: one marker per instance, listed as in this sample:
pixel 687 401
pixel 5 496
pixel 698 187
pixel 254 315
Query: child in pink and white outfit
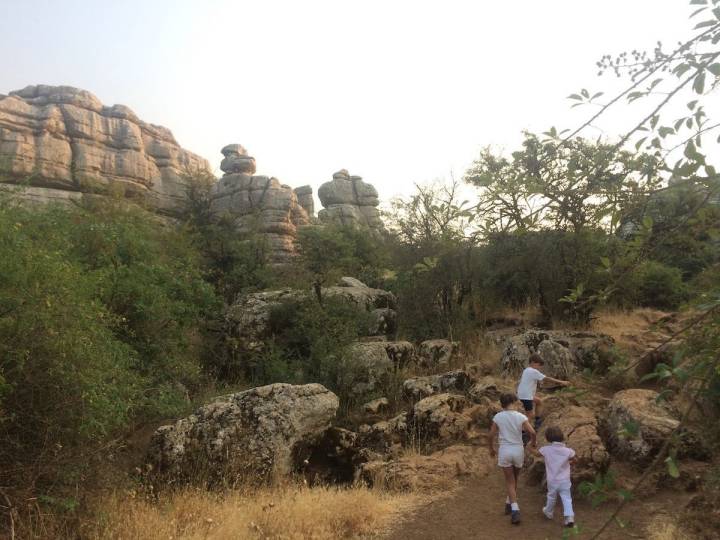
pixel 558 459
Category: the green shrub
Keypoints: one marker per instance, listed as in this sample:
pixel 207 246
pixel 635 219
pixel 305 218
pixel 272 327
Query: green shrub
pixel 658 285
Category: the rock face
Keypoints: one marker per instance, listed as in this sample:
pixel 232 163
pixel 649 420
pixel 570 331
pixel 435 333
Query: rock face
pixel 637 425
pixel 349 201
pixel 437 352
pixel 258 204
pixel 252 435
pixel 305 199
pixel 580 428
pixel 418 388
pixel 563 352
pixel 67 141
pixel 441 418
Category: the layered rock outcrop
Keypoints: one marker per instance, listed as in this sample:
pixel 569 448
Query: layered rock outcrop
pixel 349 201
pixel 258 204
pixel 65 142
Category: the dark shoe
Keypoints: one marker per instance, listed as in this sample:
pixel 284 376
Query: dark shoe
pixel 538 423
pixel 515 517
pixel 570 524
pixel 508 509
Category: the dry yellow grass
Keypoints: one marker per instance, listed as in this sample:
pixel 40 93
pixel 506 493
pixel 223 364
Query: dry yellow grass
pixel 286 512
pixel 620 323
pixel 666 530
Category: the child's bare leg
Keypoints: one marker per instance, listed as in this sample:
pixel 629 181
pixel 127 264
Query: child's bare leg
pixel 511 482
pixel 537 403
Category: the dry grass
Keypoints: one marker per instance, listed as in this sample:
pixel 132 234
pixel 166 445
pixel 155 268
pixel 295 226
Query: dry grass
pixel 288 512
pixel 482 354
pixel 666 530
pixel 620 324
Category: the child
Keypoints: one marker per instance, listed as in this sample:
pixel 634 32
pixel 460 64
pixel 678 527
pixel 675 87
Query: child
pixel 507 426
pixel 558 459
pixel 528 387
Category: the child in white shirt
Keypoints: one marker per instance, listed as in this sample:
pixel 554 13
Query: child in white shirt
pixel 507 426
pixel 558 459
pixel 527 388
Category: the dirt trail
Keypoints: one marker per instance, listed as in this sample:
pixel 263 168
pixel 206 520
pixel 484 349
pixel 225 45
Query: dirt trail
pixel 476 511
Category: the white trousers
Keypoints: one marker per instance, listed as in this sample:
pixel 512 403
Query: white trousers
pixel 563 490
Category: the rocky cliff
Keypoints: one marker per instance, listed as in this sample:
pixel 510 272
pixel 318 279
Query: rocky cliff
pixel 65 142
pixel 349 201
pixel 259 203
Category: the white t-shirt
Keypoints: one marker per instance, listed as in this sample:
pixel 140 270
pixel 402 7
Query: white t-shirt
pixel 509 425
pixel 528 383
pixel 557 462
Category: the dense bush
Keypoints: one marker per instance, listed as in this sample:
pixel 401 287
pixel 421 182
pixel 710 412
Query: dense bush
pixel 657 285
pixel 99 313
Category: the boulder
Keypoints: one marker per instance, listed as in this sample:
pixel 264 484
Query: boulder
pixel 438 471
pixel 402 353
pixel 305 199
pixel 417 388
pixel 65 141
pixel 365 297
pixel 334 458
pixel 382 437
pixel 436 352
pixel 488 387
pixel 564 352
pixel 377 406
pixel 440 418
pixel 349 201
pixel 366 367
pixel 250 435
pixel 636 425
pixel 580 428
pixel 237 160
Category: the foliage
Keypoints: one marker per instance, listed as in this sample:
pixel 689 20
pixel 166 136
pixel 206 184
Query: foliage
pixel 654 284
pixel 563 185
pixel 99 311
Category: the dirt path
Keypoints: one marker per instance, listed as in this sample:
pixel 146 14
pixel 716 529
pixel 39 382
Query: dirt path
pixel 476 511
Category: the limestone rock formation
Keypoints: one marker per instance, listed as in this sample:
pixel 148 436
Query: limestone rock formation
pixel 349 201
pixel 418 388
pixel 248 435
pixel 563 352
pixel 441 418
pixel 66 143
pixel 636 425
pixel 418 473
pixel 258 204
pixel 305 199
pixel 580 428
pixel 436 352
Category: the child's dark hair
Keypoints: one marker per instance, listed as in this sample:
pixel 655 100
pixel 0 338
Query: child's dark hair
pixel 554 434
pixel 535 358
pixel 507 399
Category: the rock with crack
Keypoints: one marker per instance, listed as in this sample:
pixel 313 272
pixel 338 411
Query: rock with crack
pixel 402 353
pixel 441 418
pixel 438 471
pixel 350 202
pixel 64 142
pixel 365 367
pixel 305 199
pixel 248 436
pixel 636 424
pixel 435 353
pixel 580 428
pixel 417 388
pixel 383 437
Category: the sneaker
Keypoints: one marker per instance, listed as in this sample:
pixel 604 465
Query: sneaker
pixel 508 509
pixel 547 514
pixel 515 517
pixel 569 523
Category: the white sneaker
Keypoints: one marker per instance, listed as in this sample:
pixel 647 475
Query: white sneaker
pixel 569 521
pixel 547 515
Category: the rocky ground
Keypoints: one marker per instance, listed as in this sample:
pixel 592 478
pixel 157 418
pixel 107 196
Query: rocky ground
pixel 433 440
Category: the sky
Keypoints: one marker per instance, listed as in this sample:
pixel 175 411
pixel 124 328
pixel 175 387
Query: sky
pixel 398 92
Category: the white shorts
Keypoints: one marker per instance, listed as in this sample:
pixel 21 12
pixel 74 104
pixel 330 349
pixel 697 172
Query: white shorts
pixel 511 455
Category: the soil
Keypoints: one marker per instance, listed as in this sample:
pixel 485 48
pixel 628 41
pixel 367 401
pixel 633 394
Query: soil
pixel 476 511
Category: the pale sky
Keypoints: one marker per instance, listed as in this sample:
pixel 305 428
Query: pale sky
pixel 396 91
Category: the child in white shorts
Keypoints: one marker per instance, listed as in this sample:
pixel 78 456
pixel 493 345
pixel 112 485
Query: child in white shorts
pixel 507 426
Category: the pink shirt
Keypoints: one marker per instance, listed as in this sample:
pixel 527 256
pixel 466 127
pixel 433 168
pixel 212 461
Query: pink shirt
pixel 557 462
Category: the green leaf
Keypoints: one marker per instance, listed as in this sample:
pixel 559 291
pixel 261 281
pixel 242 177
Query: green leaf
pixel 691 104
pixel 575 96
pixel 640 143
pixel 605 262
pixel 664 131
pixel 672 467
pixel 698 2
pixel 714 69
pixel 647 222
pixel 585 93
pixel 705 24
pixel 624 494
pixel 699 83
